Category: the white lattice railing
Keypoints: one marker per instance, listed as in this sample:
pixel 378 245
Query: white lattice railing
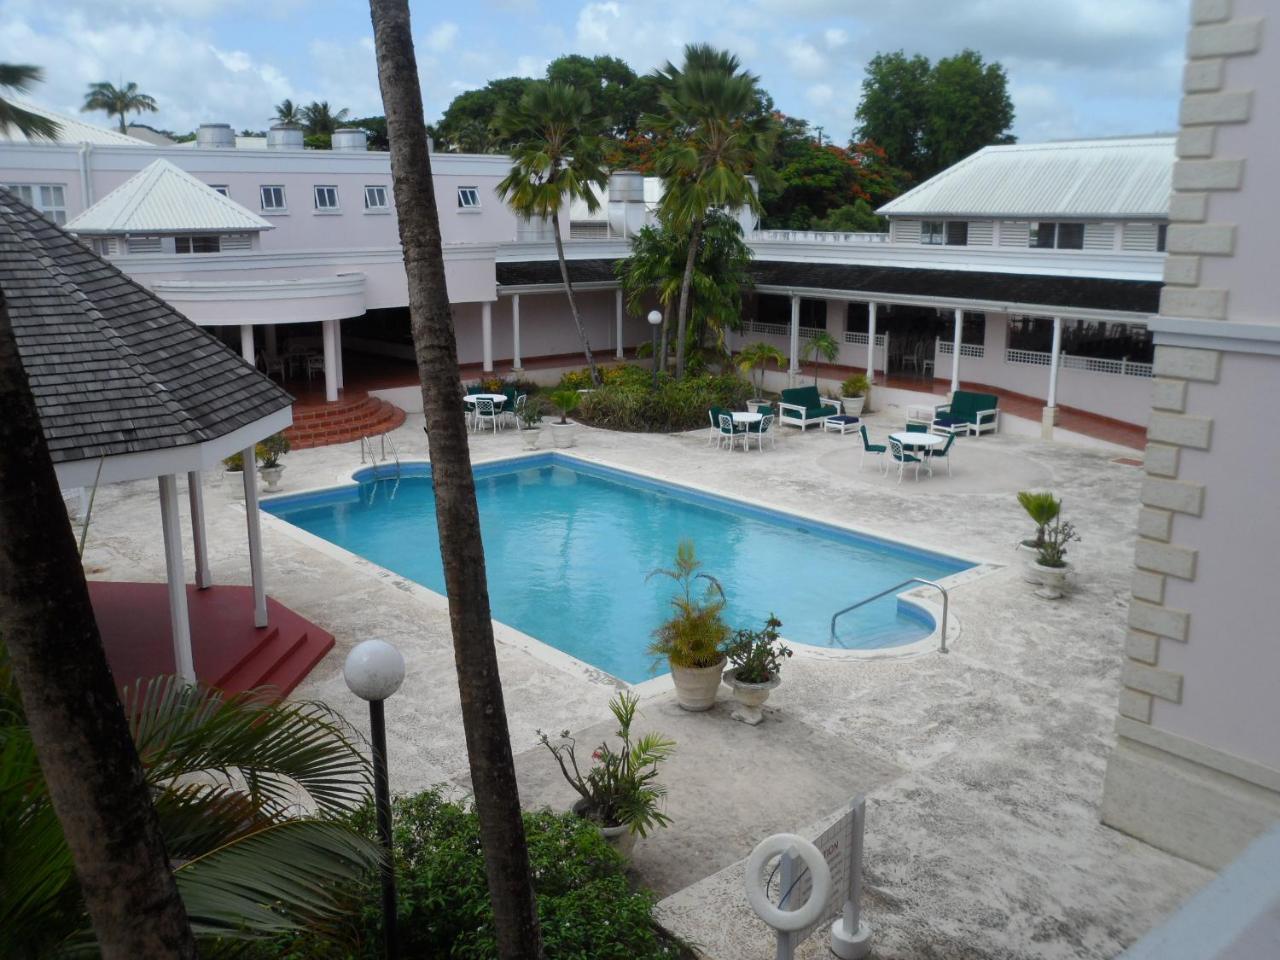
pixel 1128 368
pixel 820 236
pixel 781 329
pixel 975 350
pixel 854 336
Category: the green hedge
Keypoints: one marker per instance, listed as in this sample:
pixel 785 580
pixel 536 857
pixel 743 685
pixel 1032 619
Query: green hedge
pixel 586 906
pixel 628 400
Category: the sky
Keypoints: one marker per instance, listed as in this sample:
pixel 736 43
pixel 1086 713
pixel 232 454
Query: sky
pixel 1077 68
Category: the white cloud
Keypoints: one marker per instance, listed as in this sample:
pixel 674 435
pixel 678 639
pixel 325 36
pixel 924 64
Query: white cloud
pixel 835 37
pixel 442 36
pixel 820 94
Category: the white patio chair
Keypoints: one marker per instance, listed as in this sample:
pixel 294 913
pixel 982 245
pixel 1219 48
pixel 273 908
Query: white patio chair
pixel 761 431
pixel 517 409
pixel 315 364
pixel 903 458
pixel 730 431
pixel 486 413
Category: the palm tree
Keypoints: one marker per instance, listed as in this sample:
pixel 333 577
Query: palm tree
pixel 288 112
pixel 118 101
pixel 754 356
pixel 821 344
pixel 653 268
pixel 556 153
pixel 319 117
pixel 18 78
pixel 484 714
pixel 714 137
pixel 225 773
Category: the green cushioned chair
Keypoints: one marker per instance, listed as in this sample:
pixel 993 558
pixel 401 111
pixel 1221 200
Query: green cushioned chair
pixel 968 413
pixel 803 406
pixel 903 458
pixel 876 449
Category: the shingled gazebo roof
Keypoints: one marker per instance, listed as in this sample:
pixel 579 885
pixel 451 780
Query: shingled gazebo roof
pixel 116 371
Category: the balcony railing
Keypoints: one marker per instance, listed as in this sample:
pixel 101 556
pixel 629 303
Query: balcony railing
pixel 1127 368
pixel 780 329
pixel 853 336
pixel 819 236
pixel 947 347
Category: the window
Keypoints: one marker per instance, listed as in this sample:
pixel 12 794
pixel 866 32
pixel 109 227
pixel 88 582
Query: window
pixel 196 245
pixel 47 198
pixel 1043 234
pixel 326 198
pixel 143 245
pixel 931 231
pixel 957 233
pixel 1064 236
pixel 468 198
pixel 272 199
pixel 1162 236
pixel 375 198
pixel 221 188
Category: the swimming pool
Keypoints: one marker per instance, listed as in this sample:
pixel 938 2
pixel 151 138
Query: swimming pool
pixel 568 544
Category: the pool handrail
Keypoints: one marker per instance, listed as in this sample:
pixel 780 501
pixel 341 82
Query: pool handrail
pixel 942 647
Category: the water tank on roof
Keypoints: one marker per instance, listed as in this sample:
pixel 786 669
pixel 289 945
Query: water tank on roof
pixel 349 138
pixel 626 186
pixel 284 136
pixel 215 136
pixel 625 208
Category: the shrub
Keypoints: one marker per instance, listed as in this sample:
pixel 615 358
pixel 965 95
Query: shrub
pixel 585 904
pixel 633 404
pixel 695 633
pixel 566 401
pixel 576 380
pixel 855 386
pixel 758 654
pixel 1043 508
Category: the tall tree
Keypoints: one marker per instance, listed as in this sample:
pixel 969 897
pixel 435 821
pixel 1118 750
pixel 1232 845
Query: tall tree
pixel 556 159
pixel 91 769
pixel 19 78
pixel 468 124
pixel 118 101
pixel 484 716
pixel 319 117
pixel 893 110
pixel 714 137
pixel 288 112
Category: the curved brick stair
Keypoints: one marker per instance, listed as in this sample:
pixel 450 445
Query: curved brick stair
pixel 341 422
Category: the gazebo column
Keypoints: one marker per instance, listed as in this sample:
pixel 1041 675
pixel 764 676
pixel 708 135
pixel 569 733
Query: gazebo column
pixel 515 331
pixel 955 352
pixel 200 542
pixel 618 311
pixel 793 368
pixel 255 538
pixel 329 342
pixel 871 342
pixel 180 624
pixel 246 343
pixel 486 334
pixel 1049 415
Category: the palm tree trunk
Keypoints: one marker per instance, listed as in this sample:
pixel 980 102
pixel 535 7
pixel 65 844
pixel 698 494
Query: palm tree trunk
pixel 86 754
pixel 124 127
pixel 573 303
pixel 484 717
pixel 666 326
pixel 682 318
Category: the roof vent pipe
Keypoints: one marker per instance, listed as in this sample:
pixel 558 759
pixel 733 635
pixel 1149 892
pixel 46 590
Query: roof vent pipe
pixel 215 136
pixel 284 136
pixel 350 138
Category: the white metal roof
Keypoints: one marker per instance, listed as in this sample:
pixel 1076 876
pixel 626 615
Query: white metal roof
pixel 1078 178
pixel 161 198
pixel 70 129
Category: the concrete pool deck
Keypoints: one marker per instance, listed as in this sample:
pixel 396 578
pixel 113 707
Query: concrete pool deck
pixel 983 768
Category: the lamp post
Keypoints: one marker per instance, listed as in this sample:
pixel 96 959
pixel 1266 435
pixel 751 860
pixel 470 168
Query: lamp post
pixel 655 320
pixel 374 671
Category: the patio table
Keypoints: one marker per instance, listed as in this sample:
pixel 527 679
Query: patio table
pixel 920 442
pixel 498 400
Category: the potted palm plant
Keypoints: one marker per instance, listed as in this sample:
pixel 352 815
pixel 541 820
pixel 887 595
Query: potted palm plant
pixel 620 794
pixel 1043 508
pixel 566 401
pixel 821 344
pixel 757 657
pixel 1051 558
pixel 751 361
pixel 692 639
pixel 269 453
pixel 530 417
pixel 853 394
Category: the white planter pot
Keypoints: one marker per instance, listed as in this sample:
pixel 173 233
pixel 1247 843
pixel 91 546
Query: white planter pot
pixel 853 405
pixel 562 434
pixel 1029 554
pixel 754 405
pixel 530 437
pixel 620 838
pixel 1052 581
pixel 234 479
pixel 272 477
pixel 750 697
pixel 696 686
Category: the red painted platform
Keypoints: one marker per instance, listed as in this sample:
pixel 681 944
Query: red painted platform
pixel 230 652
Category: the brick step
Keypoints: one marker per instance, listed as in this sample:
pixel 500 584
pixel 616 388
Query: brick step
pixel 343 422
pixel 256 669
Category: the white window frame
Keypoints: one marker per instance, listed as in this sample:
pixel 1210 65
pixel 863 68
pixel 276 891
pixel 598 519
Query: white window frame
pixel 323 189
pixel 469 199
pixel 40 196
pixel 933 233
pixel 379 190
pixel 262 198
pixel 221 188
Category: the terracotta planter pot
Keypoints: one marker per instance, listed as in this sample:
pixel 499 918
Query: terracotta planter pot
pixel 696 686
pixel 1052 581
pixel 620 838
pixel 750 697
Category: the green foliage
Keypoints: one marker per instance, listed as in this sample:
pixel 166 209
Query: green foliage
pixel 855 386
pixel 856 217
pixel 19 78
pixel 620 788
pixel 577 379
pixel 566 401
pixel 272 449
pixel 753 358
pixel 318 118
pixel 531 413
pixel 758 654
pixel 586 906
pixel 1043 508
pixel 118 101
pixel 695 634
pixel 674 405
pixel 821 344
pixel 235 462
pixel 1052 551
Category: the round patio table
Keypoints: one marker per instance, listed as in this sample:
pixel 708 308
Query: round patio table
pixel 921 442
pixel 498 400
pixel 748 417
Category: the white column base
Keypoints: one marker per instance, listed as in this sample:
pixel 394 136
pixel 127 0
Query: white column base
pixel 1048 419
pixel 330 363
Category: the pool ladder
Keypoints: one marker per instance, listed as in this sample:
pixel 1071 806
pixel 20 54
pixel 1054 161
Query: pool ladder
pixel 942 647
pixel 366 446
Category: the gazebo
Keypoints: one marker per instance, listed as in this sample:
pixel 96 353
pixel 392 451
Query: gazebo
pixel 129 389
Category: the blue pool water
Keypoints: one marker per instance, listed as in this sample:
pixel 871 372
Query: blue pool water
pixel 568 545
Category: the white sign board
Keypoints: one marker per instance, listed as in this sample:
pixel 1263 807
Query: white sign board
pixel 836 844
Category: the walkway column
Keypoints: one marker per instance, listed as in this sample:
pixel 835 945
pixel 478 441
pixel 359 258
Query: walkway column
pixel 871 342
pixel 200 542
pixel 1049 415
pixel 184 664
pixel 246 343
pixel 793 370
pixel 955 352
pixel 255 538
pixel 618 302
pixel 515 331
pixel 328 339
pixel 337 349
pixel 269 335
pixel 486 334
